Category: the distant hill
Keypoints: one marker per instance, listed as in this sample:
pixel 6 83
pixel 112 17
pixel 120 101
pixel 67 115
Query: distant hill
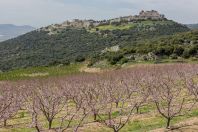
pixel 59 44
pixel 193 26
pixel 8 31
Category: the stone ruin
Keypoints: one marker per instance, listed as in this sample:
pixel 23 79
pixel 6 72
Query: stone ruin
pixel 143 15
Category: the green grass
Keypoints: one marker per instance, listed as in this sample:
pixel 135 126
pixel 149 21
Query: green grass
pixel 113 27
pixel 40 72
pixel 162 61
pixel 132 25
pixel 18 130
pixel 142 124
pixel 156 122
pixel 147 123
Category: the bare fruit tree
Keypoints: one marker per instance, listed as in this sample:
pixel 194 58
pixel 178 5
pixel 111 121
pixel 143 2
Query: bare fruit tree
pixel 30 101
pixel 167 92
pixel 49 99
pixel 119 102
pixel 191 83
pixel 10 101
pixel 75 109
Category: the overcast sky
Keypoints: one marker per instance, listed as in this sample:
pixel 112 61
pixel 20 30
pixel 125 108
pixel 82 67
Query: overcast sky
pixel 39 13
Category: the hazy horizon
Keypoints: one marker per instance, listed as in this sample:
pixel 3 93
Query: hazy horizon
pixel 38 13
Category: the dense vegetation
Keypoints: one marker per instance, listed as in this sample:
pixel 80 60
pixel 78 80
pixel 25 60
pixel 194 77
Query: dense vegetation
pixel 41 49
pixel 38 48
pixel 181 45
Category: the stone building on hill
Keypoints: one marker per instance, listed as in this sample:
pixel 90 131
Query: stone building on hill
pixel 150 15
pixel 143 15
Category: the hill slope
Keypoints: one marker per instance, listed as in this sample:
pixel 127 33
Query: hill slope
pixel 179 47
pixel 44 48
pixel 8 31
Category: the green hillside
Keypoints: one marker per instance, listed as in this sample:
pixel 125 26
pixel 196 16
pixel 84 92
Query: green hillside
pixel 181 47
pixel 139 24
pixel 39 48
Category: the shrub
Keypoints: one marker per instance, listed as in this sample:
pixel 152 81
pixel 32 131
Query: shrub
pixel 186 54
pixel 65 62
pixel 114 59
pixel 173 56
pixel 124 60
pixel 80 59
pixel 178 51
pixel 54 63
pixel 193 50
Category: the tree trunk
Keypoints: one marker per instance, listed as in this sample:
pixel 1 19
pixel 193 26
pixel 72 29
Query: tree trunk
pixel 50 124
pixel 168 123
pixel 5 123
pixel 117 103
pixel 84 111
pixel 137 109
pixel 35 121
pixel 37 128
pixel 36 124
pixel 115 130
pixel 95 117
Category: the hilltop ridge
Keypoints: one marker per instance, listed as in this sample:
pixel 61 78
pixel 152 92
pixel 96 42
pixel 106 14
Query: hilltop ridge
pixel 76 23
pixel 143 15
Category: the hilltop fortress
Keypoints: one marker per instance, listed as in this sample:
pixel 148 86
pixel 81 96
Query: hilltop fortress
pixel 143 15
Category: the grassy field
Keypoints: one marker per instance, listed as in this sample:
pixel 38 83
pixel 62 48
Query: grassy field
pixel 42 72
pixel 132 25
pixel 33 72
pixel 112 27
pixel 148 120
pixel 105 65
